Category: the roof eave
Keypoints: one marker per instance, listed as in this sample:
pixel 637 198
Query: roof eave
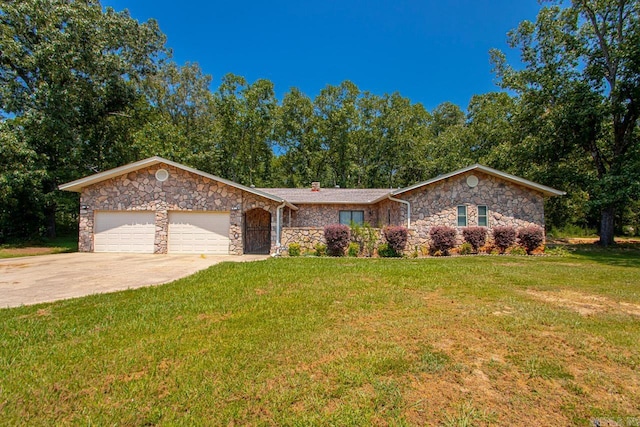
pixel 79 184
pixel 547 191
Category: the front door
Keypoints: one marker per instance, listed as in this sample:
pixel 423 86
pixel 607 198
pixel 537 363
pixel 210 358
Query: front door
pixel 257 232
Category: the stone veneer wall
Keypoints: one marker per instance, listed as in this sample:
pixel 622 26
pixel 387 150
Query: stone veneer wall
pixel 508 204
pixel 306 237
pixel 322 215
pixel 182 191
pixel 309 237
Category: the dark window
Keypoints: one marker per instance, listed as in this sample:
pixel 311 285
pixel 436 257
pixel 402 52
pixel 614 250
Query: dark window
pixel 355 217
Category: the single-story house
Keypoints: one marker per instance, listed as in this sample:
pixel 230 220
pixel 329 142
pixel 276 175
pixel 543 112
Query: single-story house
pixel 160 206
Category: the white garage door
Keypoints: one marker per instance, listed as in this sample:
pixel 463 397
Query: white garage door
pixel 124 231
pixel 199 232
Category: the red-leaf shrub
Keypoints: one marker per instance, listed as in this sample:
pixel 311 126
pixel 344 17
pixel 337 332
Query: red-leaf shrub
pixel 396 237
pixel 338 237
pixel 503 237
pixel 475 236
pixel 442 238
pixel 531 237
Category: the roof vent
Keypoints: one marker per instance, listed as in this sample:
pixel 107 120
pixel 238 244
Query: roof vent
pixel 315 186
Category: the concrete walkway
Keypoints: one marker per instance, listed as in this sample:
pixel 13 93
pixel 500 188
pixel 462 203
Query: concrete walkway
pixel 32 280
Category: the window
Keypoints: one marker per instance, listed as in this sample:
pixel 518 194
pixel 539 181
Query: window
pixel 348 217
pixel 482 216
pixel 462 216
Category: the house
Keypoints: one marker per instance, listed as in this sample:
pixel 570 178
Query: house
pixel 159 206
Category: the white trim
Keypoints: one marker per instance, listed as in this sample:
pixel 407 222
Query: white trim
pixel 548 191
pixel 79 184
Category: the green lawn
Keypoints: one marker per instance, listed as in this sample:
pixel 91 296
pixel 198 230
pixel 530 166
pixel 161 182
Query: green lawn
pixel 58 245
pixel 487 340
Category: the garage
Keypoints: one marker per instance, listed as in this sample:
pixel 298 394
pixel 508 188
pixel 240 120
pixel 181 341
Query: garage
pixel 124 231
pixel 199 233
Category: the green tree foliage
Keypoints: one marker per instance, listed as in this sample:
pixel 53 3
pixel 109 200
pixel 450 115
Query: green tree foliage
pixel 580 85
pixel 246 115
pixel 180 121
pixel 68 83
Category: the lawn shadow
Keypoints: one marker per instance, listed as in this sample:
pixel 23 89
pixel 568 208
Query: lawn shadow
pixel 621 254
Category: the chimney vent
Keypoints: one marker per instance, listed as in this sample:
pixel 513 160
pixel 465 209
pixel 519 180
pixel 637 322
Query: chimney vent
pixel 315 186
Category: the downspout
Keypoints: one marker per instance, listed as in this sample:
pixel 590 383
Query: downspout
pixel 279 225
pixel 393 199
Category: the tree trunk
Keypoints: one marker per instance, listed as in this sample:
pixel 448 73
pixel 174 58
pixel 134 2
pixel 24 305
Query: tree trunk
pixel 606 227
pixel 50 221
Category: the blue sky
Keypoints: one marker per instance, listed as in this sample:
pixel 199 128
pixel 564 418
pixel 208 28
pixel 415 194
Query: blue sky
pixel 429 51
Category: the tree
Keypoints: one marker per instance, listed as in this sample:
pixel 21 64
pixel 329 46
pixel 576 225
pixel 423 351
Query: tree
pixel 294 136
pixel 581 72
pixel 180 121
pixel 336 114
pixel 69 75
pixel 246 115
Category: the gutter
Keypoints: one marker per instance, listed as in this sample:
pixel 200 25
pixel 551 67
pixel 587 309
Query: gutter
pixel 393 199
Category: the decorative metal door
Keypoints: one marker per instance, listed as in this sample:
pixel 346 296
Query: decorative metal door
pixel 257 232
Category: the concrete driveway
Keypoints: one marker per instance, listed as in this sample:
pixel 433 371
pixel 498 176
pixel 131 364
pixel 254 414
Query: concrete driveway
pixel 32 280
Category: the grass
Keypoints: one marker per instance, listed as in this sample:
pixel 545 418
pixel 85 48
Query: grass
pixel 314 341
pixel 58 245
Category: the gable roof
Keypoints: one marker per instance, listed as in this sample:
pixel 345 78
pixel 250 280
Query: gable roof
pixel 339 196
pixel 547 191
pixel 79 184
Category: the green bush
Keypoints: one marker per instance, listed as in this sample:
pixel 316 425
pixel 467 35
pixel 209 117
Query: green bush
pixel 517 250
pixel 557 251
pixel 321 249
pixel 466 249
pixel 365 236
pixel 353 250
pixel 386 251
pixel 294 249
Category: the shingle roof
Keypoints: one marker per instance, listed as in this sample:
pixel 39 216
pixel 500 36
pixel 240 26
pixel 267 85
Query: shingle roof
pixel 328 195
pixel 547 191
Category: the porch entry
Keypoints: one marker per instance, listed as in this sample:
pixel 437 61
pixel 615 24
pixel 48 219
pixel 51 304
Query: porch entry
pixel 257 231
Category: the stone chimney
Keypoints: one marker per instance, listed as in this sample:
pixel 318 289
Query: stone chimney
pixel 315 186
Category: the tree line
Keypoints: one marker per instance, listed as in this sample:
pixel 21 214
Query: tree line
pixel 84 89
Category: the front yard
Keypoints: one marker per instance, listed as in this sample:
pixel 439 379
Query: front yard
pixel 491 340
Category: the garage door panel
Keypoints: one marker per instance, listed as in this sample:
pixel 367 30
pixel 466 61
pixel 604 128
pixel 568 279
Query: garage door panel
pixel 124 231
pixel 199 232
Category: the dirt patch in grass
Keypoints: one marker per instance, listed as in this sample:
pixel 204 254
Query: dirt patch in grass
pixel 585 304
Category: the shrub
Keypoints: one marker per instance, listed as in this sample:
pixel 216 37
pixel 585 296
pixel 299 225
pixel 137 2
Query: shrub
pixel 531 237
pixel 386 251
pixel 557 251
pixel 466 249
pixel 294 249
pixel 353 250
pixel 396 237
pixel 365 236
pixel 337 237
pixel 503 237
pixel 517 250
pixel 321 249
pixel 442 239
pixel 475 236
